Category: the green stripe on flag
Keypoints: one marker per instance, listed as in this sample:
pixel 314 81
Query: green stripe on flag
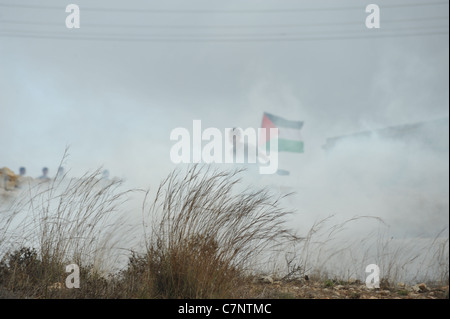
pixel 287 146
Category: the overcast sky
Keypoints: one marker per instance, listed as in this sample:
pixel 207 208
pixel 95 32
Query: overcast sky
pixel 115 97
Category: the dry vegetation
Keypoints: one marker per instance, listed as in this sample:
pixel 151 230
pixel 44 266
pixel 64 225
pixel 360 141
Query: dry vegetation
pixel 203 238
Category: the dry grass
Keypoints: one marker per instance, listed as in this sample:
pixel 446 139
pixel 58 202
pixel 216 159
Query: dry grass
pixel 56 223
pixel 329 253
pixel 204 237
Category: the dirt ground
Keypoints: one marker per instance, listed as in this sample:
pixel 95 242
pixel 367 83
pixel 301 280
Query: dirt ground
pixel 268 288
pixel 309 289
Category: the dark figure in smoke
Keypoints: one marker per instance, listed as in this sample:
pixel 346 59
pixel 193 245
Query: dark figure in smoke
pixel 44 176
pixel 245 153
pixel 22 179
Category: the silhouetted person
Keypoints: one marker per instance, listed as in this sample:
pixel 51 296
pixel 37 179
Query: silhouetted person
pixel 44 174
pixel 22 179
pixel 245 152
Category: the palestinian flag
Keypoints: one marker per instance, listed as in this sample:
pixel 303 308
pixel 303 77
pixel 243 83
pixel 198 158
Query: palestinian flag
pixel 289 138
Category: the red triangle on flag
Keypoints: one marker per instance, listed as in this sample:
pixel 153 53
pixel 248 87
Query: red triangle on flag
pixel 267 124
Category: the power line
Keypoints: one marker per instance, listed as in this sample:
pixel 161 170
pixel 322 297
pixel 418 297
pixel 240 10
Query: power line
pixel 180 40
pixel 223 26
pixel 199 11
pixel 230 35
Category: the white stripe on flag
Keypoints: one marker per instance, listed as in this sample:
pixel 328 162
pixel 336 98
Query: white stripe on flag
pixel 289 134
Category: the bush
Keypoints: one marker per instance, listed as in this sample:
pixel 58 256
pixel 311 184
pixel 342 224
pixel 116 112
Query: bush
pixel 22 271
pixel 204 236
pixel 68 221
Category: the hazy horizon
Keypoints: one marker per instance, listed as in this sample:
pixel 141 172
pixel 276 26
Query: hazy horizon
pixel 115 88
